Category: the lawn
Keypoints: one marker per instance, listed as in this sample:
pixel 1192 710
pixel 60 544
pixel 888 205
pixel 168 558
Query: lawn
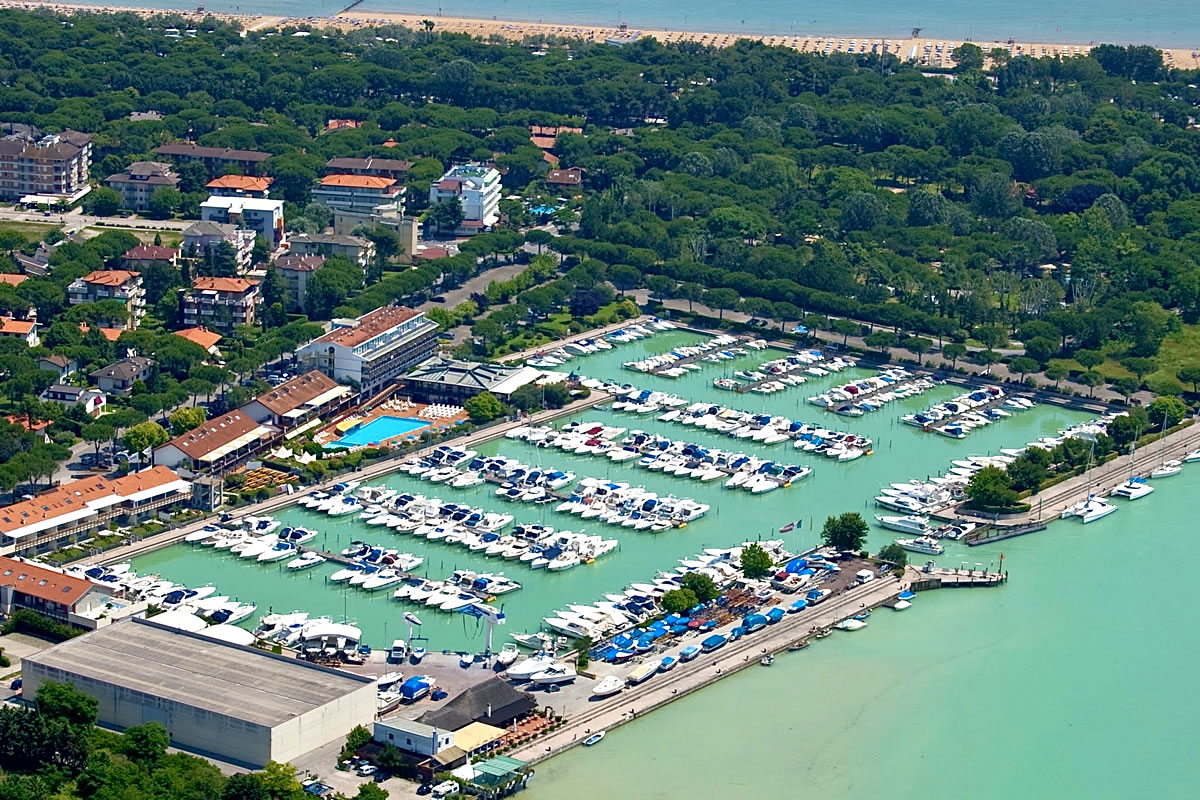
pixel 32 231
pixel 1180 349
pixel 169 238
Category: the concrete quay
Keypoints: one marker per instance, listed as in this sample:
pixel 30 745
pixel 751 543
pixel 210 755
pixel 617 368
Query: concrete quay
pixel 585 716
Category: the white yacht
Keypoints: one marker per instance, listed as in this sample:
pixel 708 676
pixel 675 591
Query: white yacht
pixel 554 674
pixel 608 686
pixel 925 544
pixel 910 523
pixel 1089 510
pixel 1167 469
pixel 1133 489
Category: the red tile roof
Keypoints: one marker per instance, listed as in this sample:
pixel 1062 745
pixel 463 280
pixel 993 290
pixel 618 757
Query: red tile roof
pixel 296 392
pixel 369 325
pixel 12 280
pixel 110 277
pixel 358 181
pixel 544 142
pixel 44 584
pixel 201 336
pixel 18 327
pixel 76 494
pixel 112 334
pixel 565 177
pixel 151 252
pixel 212 434
pixel 245 183
pixel 235 285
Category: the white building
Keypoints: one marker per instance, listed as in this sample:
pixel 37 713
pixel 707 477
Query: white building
pixel 374 349
pixel 204 235
pixel 412 737
pixel 477 188
pixel 263 216
pixel 215 698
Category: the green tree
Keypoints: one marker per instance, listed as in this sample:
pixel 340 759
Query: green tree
pixel 846 328
pixel 700 585
pixel 1056 374
pixel 845 532
pixel 967 57
pixel 1025 474
pixel 246 786
pixel 145 744
pixel 895 554
pixel 1170 410
pixel 1127 428
pixel 1190 375
pixel 356 739
pixel 371 791
pixel 1089 359
pixel 445 216
pixel 279 780
pixel 185 419
pixel 918 345
pixel 102 202
pixel 755 561
pixel 880 339
pixel 1091 379
pixel 483 407
pixel 954 351
pixel 624 277
pixel 678 601
pixel 97 433
pixel 1023 365
pixel 63 701
pixel 527 398
pixel 1139 366
pixel 721 299
pixel 1127 386
pixel 143 436
pixel 163 203
pixel 991 489
pixel 992 336
pixel 692 292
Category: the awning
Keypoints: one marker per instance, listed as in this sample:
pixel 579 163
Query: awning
pixel 312 423
pixel 345 425
pixel 253 436
pixel 325 397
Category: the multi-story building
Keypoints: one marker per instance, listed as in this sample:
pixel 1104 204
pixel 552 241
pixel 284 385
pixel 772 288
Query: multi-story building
pixel 359 194
pixel 111 284
pixel 92 400
pixel 218 444
pixel 221 304
pixel 374 349
pixel 215 158
pixel 75 511
pixel 264 217
pixel 44 169
pixel 203 235
pixel 379 167
pixel 140 181
pixel 119 377
pixel 24 329
pixel 240 186
pixel 298 402
pixel 477 188
pixel 295 271
pixel 352 248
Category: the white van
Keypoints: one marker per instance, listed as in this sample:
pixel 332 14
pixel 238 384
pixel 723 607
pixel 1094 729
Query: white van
pixel 864 576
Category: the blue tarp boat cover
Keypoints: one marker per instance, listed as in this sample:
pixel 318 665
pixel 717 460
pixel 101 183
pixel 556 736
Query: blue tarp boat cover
pixel 415 685
pixel 800 605
pixel 807 571
pixel 905 595
pixel 753 622
pixel 796 564
pixel 713 642
pixel 775 614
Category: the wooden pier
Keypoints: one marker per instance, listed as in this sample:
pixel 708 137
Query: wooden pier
pixel 891 387
pixel 943 578
pixel 692 359
pixel 953 418
pixel 346 561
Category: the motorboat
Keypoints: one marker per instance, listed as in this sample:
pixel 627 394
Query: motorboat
pixel 308 559
pixel 924 544
pixel 851 625
pixel 594 739
pixel 508 654
pixel 608 686
pixel 530 667
pixel 667 664
pixel 554 674
pixel 910 523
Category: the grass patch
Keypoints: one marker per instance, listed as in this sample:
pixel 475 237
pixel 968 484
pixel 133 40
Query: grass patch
pixel 1110 369
pixel 1180 349
pixel 32 231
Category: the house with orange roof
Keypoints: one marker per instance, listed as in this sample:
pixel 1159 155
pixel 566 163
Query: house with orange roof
pixel 74 511
pixel 120 285
pixel 298 401
pixel 217 444
pixel 240 186
pixel 11 279
pixel 221 304
pixel 24 329
pixel 32 587
pixel 201 336
pixel 359 194
pixel 374 349
pixel 112 334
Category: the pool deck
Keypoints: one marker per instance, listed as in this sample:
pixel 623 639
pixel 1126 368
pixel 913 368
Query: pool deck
pixel 329 436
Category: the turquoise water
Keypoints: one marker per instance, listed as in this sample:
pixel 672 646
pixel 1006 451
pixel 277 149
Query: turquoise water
pixel 1073 680
pixel 379 429
pixel 901 453
pixel 1161 22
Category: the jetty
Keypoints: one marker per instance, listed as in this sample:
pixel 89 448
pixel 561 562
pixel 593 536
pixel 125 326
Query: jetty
pixel 345 561
pixel 793 632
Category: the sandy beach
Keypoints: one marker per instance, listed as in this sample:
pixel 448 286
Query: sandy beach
pixel 924 51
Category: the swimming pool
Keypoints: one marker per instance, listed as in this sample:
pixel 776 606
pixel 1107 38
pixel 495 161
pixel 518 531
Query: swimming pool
pixel 379 429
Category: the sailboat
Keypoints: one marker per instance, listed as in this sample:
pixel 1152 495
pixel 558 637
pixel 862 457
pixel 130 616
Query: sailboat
pixel 1093 507
pixel 1167 468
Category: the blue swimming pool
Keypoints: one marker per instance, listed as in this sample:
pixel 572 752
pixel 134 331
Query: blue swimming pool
pixel 379 429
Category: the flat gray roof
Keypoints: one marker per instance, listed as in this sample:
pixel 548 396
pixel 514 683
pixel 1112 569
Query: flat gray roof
pixel 222 678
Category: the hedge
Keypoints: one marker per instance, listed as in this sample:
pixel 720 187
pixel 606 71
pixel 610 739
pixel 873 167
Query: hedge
pixel 31 622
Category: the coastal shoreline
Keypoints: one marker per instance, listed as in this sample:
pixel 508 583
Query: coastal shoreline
pixel 930 51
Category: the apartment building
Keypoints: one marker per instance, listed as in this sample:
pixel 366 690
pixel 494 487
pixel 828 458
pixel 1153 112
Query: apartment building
pixel 215 158
pixel 359 194
pixel 374 349
pixel 295 271
pixel 218 444
pixel 47 169
pixel 77 510
pixel 140 180
pixel 477 188
pixel 379 167
pixel 221 304
pixel 111 284
pixel 352 248
pixel 298 402
pixel 240 186
pixel 264 217
pixel 202 235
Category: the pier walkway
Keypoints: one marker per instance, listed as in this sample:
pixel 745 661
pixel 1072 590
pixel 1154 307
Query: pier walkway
pixel 707 350
pixel 954 418
pixel 792 631
pixel 868 394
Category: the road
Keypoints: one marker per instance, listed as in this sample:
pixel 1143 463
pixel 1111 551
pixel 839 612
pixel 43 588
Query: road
pixel 77 219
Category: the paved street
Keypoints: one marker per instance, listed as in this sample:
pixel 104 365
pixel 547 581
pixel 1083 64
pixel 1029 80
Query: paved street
pixel 77 219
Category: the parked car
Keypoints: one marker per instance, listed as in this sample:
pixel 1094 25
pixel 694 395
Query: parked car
pixel 425 788
pixel 366 770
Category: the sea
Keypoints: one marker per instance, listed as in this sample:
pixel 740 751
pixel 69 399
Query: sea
pixel 1073 680
pixel 1165 23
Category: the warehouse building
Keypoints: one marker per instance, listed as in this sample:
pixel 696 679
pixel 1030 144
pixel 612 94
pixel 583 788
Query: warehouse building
pixel 222 700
